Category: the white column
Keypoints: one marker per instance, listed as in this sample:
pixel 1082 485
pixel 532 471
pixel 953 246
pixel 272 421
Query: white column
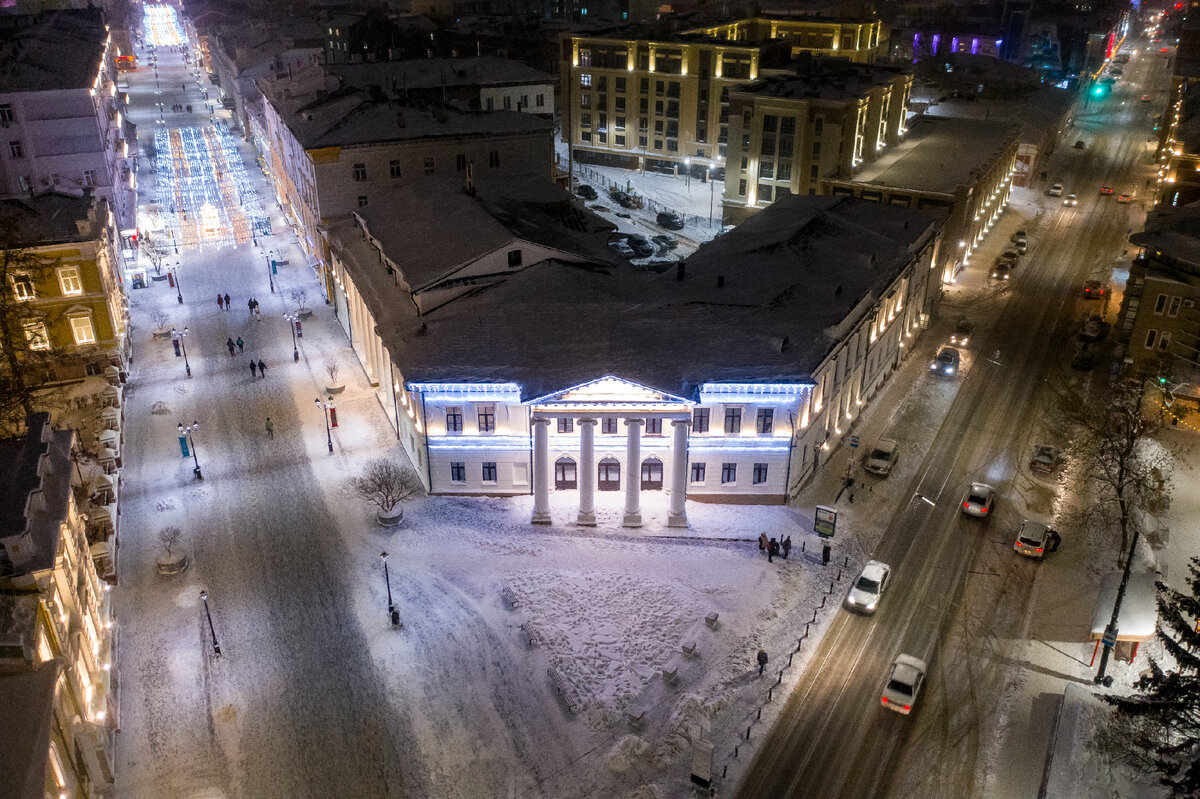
pixel 633 473
pixel 587 473
pixel 677 517
pixel 541 471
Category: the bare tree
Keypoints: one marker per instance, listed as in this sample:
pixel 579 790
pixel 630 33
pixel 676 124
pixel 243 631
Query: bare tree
pixel 385 484
pixel 298 296
pixel 155 251
pixel 1126 471
pixel 160 320
pixel 169 538
pixel 332 367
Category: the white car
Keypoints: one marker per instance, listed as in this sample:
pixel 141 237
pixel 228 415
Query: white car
pixel 882 457
pixel 1034 539
pixel 904 685
pixel 1056 190
pixel 865 592
pixel 979 500
pixel 1045 458
pixel 1071 200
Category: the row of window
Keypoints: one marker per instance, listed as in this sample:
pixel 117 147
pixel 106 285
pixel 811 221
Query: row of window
pixel 608 473
pixel 68 279
pixel 539 99
pixel 485 417
pixel 1161 305
pixel 359 170
pixel 81 329
pixel 1162 339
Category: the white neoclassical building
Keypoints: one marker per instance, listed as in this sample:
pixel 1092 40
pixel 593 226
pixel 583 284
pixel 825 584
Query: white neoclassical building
pixel 525 359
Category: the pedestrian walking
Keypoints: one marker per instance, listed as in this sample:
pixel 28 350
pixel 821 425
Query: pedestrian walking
pixel 762 660
pixel 1055 540
pixel 262 368
pixel 825 553
pixel 250 305
pixel 220 301
pixel 762 542
pixel 229 344
pixel 772 550
pixel 183 87
pixel 253 368
pixel 786 546
pixel 227 305
pixel 241 346
pixel 270 429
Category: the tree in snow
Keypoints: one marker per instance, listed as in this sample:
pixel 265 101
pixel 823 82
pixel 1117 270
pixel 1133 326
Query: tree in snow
pixel 1158 728
pixel 298 296
pixel 169 538
pixel 155 251
pixel 385 484
pixel 1126 471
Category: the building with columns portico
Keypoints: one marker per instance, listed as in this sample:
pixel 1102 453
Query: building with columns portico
pixel 565 370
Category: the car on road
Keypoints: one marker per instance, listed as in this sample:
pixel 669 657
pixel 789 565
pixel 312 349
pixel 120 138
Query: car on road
pixel 962 332
pixel 1071 200
pixel 1124 198
pixel 1145 98
pixel 670 220
pixel 622 248
pixel 1001 269
pixel 865 592
pixel 1045 458
pixel 1093 290
pixel 1034 539
pixel 904 684
pixel 882 457
pixel 665 240
pixel 1080 144
pixel 1106 190
pixel 946 362
pixel 1019 236
pixel 1094 329
pixel 585 191
pixel 979 499
pixel 1057 189
pixel 640 245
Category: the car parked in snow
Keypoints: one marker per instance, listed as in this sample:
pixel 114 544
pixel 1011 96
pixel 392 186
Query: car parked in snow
pixel 1094 329
pixel 1056 190
pixel 640 245
pixel 1045 458
pixel 979 500
pixel 665 240
pixel 670 220
pixel 904 684
pixel 1019 237
pixel 866 591
pixel 585 191
pixel 622 248
pixel 882 457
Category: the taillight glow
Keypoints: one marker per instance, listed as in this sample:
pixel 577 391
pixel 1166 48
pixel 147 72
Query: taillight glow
pixel 966 504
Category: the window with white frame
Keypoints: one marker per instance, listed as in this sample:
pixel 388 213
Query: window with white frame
pixel 89 177
pixel 1151 337
pixel 700 420
pixel 733 420
pixel 760 473
pixel 486 415
pixel 23 287
pixel 728 473
pixel 1164 341
pixel 68 278
pixel 765 422
pixel 82 330
pixel 454 420
pixel 489 471
pixel 697 472
pixel 36 335
pixel 1173 309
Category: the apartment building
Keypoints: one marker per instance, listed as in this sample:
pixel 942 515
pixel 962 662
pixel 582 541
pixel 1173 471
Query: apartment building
pixel 57 692
pixel 62 121
pixel 791 130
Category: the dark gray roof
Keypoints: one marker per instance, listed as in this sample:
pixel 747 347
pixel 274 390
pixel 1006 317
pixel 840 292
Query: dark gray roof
pixel 50 218
pixel 1175 232
pixel 424 73
pixel 19 458
pixel 26 713
pixel 51 51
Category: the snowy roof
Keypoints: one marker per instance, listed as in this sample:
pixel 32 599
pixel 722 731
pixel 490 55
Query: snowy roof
pixel 1139 608
pixel 1173 233
pixel 1037 112
pixel 758 304
pixel 20 476
pixel 434 72
pixel 49 218
pixel 938 154
pixel 26 712
pixel 821 78
pixel 52 50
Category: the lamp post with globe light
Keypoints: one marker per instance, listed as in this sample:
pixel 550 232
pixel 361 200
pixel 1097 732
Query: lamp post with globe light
pixel 188 433
pixel 270 256
pixel 325 406
pixel 211 630
pixel 180 337
pixel 292 318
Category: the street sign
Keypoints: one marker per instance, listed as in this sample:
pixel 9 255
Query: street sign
pixel 854 442
pixel 1110 636
pixel 825 522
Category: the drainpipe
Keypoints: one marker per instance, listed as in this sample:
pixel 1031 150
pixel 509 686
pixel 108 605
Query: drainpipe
pixel 428 460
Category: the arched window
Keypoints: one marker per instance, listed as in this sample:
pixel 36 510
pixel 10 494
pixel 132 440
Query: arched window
pixel 652 474
pixel 609 475
pixel 564 474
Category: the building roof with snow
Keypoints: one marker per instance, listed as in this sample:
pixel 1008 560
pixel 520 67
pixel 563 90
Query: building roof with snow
pixel 35 489
pixel 26 724
pixel 50 218
pixel 765 302
pixel 822 79
pixel 429 73
pixel 51 51
pixel 1172 237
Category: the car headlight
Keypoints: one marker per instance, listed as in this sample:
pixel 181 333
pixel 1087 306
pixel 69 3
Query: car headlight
pixel 949 370
pixel 850 600
pixel 871 605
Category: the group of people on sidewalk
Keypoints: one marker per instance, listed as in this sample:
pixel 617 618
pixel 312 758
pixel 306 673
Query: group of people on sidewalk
pixel 773 547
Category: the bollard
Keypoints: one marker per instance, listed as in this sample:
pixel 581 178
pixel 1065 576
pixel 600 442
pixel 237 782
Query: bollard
pixel 802 545
pixel 806 626
pixel 735 751
pixel 822 601
pixel 780 680
pixel 839 574
pixel 847 563
pixel 814 621
pixel 831 587
pixel 724 771
pixel 770 692
pixel 747 733
pixel 790 655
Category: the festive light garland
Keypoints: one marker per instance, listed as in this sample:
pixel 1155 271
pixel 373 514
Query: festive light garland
pixel 160 24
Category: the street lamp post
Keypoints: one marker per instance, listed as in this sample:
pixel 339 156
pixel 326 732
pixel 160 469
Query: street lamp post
pixel 291 320
pixel 687 172
pixel 181 337
pixel 270 255
pixel 325 406
pixel 188 432
pixel 211 630
pixel 708 176
pixel 178 289
pixel 388 582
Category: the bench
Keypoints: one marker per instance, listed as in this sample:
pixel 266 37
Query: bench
pixel 564 690
pixel 509 599
pixel 711 619
pixel 670 674
pixel 636 716
pixel 689 648
pixel 531 636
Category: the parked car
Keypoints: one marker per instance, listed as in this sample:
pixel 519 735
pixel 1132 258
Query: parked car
pixel 962 332
pixel 1019 237
pixel 1057 189
pixel 946 362
pixel 1022 246
pixel 1093 290
pixel 622 248
pixel 904 684
pixel 1094 329
pixel 1011 254
pixel 585 191
pixel 1106 190
pixel 979 500
pixel 1071 201
pixel 670 220
pixel 865 592
pixel 1035 539
pixel 1045 458
pixel 665 241
pixel 640 245
pixel 882 457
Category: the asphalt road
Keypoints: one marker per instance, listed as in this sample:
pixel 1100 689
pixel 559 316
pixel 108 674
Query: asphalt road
pixel 833 737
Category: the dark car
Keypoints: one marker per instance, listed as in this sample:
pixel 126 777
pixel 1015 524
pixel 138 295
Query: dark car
pixel 638 243
pixel 670 220
pixel 585 191
pixel 665 240
pixel 1093 290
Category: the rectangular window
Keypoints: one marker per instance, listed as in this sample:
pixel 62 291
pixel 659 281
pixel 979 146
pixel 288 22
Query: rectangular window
pixel 766 421
pixel 540 100
pixel 608 426
pixel 1151 337
pixel 16 150
pixel 566 425
pixel 428 166
pixel 458 472
pixel 733 420
pixel 35 334
pixel 585 80
pixel 22 287
pixel 487 418
pixel 89 177
pixel 507 103
pixel 818 125
pixel 489 471
pixel 454 420
pixel 494 158
pixel 6 112
pixel 697 472
pixel 1173 310
pixel 813 172
pixel 700 420
pixel 654 427
pixel 460 162
pixel 760 473
pixel 491 103
pixel 1160 303
pixel 1164 341
pixel 362 201
pixel 81 328
pixel 728 473
pixel 360 172
pixel 68 278
pixel 394 168
pixel 514 258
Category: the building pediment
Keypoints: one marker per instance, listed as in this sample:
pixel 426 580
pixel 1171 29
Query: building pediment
pixel 610 394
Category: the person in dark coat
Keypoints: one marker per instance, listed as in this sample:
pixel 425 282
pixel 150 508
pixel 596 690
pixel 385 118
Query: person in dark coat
pixel 786 546
pixel 227 305
pixel 230 345
pixel 762 660
pixel 250 305
pixel 262 368
pixel 220 301
pixel 772 550
pixel 1055 540
pixel 241 345
pixel 762 542
pixel 253 368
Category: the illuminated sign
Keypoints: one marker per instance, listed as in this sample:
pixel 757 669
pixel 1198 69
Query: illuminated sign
pixel 825 521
